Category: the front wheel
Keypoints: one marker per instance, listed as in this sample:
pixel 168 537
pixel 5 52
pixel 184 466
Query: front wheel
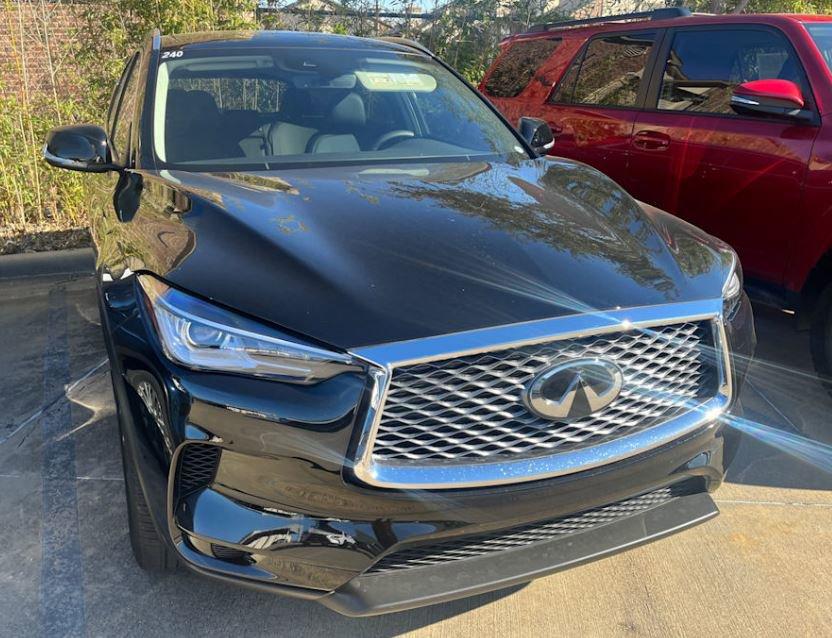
pixel 821 338
pixel 151 552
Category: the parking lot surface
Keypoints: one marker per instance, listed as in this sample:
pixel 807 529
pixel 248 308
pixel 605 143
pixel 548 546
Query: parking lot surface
pixel 761 568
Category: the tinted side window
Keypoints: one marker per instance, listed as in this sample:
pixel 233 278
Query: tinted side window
pixel 122 122
pixel 230 116
pixel 263 95
pixel 566 86
pixel 703 67
pixel 611 71
pixel 516 67
pixel 821 32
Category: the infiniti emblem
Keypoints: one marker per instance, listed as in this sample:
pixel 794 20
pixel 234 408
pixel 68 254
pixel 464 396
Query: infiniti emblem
pixel 574 389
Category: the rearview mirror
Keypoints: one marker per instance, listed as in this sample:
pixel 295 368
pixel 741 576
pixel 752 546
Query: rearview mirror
pixel 781 98
pixel 82 147
pixel 537 133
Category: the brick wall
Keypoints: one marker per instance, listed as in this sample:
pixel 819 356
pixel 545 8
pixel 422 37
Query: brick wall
pixel 37 39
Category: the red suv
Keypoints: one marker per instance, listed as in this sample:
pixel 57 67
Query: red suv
pixel 725 121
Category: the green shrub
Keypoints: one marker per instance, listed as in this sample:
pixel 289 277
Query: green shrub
pixel 32 193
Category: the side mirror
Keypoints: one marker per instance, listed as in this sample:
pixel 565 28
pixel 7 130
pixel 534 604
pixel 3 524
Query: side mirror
pixel 537 133
pixel 82 147
pixel 779 98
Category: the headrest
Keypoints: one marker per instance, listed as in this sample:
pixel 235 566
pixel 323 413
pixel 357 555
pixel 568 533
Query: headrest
pixel 349 113
pixel 185 106
pixel 295 104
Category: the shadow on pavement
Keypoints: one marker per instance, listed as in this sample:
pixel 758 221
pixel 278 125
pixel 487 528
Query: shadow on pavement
pixel 786 433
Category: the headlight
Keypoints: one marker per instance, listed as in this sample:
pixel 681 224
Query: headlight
pixel 732 290
pixel 202 336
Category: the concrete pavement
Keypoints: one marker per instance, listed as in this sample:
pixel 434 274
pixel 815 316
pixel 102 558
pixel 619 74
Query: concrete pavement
pixel 762 568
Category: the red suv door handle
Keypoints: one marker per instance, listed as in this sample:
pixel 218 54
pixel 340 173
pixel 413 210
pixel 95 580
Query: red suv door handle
pixel 651 140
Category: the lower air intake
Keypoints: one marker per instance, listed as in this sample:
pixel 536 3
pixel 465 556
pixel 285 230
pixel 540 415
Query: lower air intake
pixel 231 555
pixel 197 467
pixel 521 536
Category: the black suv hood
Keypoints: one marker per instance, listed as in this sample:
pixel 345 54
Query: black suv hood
pixel 364 255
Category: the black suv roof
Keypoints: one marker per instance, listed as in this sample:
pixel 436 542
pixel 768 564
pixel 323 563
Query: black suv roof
pixel 252 39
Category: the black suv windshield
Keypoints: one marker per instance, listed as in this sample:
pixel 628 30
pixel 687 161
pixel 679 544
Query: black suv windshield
pixel 298 105
pixel 821 33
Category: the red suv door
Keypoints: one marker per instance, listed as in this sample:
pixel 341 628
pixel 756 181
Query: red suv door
pixel 594 106
pixel 735 176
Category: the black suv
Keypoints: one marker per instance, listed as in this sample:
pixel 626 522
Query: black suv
pixel 369 348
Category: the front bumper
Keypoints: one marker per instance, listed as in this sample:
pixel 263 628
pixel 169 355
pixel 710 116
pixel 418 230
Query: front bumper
pixel 296 546
pixel 278 511
pixel 382 593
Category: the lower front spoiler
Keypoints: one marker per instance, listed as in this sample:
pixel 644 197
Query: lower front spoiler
pixel 386 592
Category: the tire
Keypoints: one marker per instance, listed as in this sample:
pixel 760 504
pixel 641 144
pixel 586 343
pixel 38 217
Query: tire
pixel 821 338
pixel 151 552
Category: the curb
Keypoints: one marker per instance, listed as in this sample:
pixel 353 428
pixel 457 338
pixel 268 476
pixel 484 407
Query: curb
pixel 55 262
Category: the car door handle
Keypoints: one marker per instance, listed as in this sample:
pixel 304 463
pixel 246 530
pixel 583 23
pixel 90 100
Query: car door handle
pixel 651 140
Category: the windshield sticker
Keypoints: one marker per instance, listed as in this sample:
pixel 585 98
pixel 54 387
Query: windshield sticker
pixel 386 81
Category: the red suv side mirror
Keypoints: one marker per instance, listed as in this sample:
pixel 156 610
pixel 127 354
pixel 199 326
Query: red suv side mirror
pixel 781 98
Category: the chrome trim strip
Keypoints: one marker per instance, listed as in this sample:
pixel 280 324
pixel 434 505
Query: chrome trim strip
pixel 384 358
pixel 458 344
pixel 736 99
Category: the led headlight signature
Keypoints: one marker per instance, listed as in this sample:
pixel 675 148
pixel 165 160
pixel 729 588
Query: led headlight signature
pixel 200 335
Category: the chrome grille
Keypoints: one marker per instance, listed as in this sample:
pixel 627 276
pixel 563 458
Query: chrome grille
pixel 521 536
pixel 470 408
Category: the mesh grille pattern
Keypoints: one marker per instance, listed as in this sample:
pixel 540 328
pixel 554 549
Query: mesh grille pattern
pixel 197 467
pixel 471 407
pixel 478 545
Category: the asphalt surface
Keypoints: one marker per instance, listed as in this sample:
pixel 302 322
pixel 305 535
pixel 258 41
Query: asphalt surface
pixel 761 568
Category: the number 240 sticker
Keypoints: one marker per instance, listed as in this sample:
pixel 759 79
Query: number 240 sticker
pixel 172 54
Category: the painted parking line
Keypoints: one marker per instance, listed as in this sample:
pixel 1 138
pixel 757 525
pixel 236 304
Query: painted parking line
pixel 62 582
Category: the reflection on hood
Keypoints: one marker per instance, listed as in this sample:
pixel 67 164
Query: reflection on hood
pixel 355 256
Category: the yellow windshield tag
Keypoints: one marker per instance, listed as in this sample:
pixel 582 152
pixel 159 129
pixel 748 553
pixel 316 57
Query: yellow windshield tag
pixel 386 81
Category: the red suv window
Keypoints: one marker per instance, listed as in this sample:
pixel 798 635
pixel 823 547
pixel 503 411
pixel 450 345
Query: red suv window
pixel 704 66
pixel 822 35
pixel 516 67
pixel 610 72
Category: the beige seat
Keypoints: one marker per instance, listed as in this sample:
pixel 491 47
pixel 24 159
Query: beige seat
pixel 289 139
pixel 289 136
pixel 348 117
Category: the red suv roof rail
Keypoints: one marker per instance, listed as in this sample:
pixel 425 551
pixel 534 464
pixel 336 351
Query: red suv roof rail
pixel 656 14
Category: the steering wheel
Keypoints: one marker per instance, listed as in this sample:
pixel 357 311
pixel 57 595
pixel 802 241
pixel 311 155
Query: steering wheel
pixel 392 135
